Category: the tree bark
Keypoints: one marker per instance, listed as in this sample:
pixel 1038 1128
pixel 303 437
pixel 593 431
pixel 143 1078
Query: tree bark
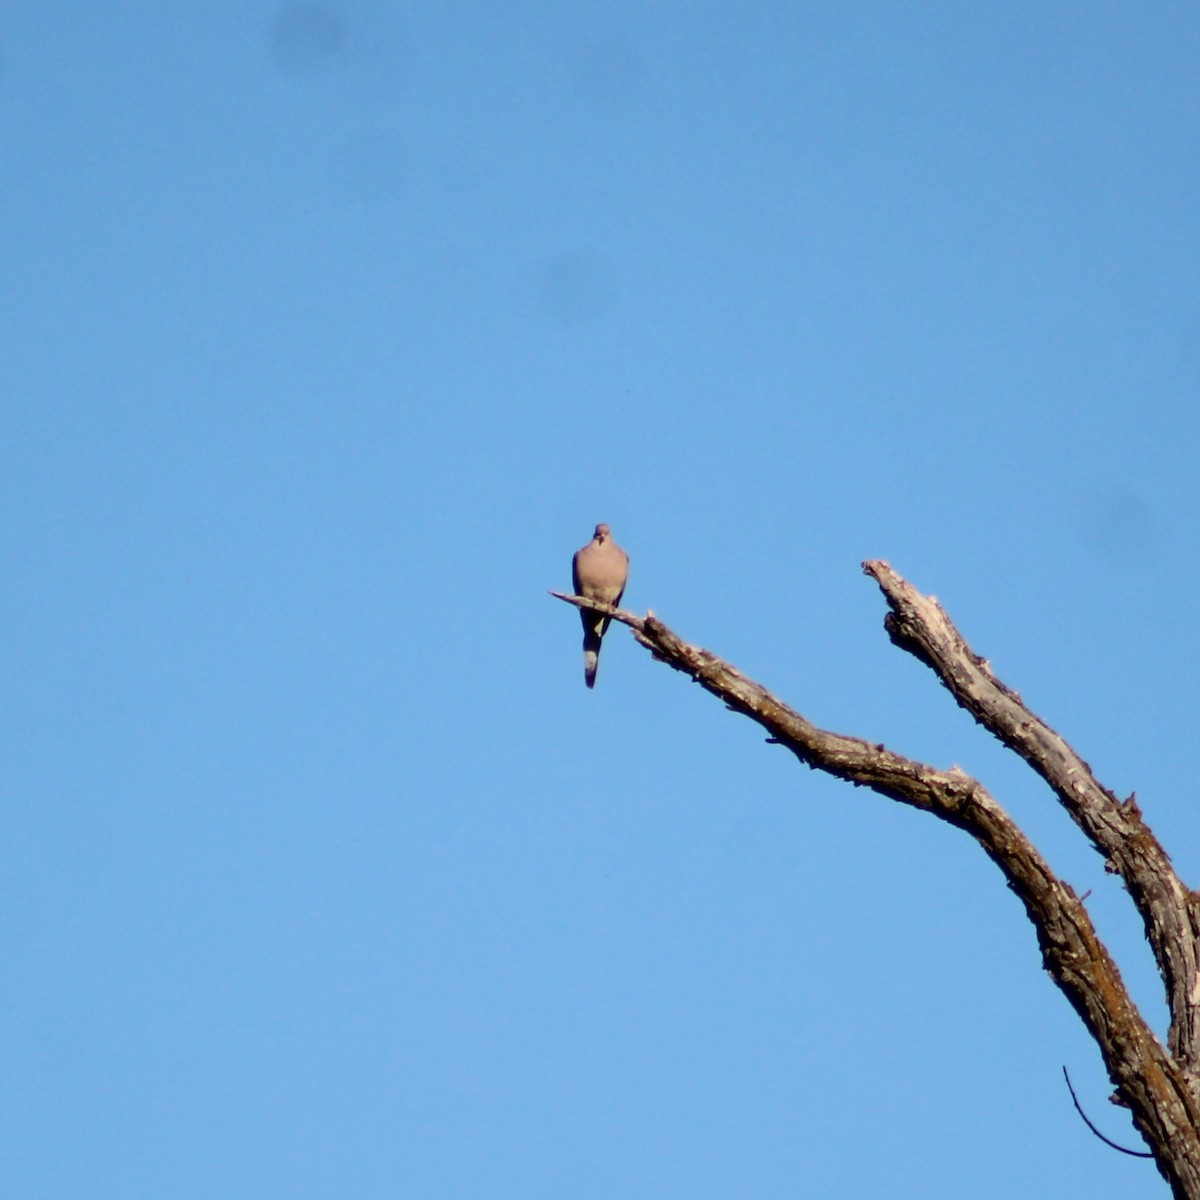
pixel 1160 1085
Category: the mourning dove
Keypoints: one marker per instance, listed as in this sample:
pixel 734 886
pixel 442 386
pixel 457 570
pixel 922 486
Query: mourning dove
pixel 599 571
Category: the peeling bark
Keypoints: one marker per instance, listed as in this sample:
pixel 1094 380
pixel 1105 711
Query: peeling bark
pixel 1117 830
pixel 1160 1084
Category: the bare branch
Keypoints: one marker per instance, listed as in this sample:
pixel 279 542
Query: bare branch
pixel 1092 1126
pixel 1169 911
pixel 1147 1078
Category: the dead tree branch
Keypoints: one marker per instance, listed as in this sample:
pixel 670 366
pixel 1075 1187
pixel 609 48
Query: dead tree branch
pixel 1158 1085
pixel 1169 911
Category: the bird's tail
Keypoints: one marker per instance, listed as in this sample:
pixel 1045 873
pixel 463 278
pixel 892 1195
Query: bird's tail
pixel 591 657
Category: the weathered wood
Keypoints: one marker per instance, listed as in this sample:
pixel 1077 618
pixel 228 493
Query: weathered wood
pixel 1170 912
pixel 1157 1083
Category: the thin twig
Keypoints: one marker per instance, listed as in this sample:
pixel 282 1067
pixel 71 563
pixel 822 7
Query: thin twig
pixel 1105 1140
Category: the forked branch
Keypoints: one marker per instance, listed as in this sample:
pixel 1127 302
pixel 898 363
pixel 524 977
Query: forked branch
pixel 1158 1086
pixel 1170 912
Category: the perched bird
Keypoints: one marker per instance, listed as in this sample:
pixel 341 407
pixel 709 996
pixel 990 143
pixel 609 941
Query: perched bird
pixel 599 572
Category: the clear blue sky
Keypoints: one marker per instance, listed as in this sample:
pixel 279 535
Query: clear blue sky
pixel 329 331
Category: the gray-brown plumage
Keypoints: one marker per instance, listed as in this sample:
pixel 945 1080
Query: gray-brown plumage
pixel 599 572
